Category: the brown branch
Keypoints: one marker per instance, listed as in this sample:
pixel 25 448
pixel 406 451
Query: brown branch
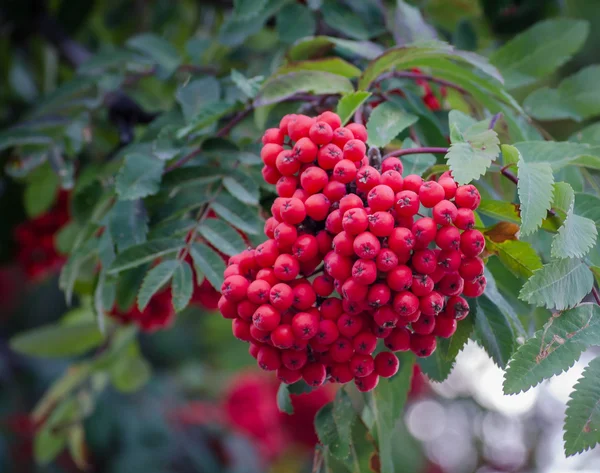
pixel 596 295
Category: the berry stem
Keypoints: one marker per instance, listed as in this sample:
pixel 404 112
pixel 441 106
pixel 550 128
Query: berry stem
pixel 422 150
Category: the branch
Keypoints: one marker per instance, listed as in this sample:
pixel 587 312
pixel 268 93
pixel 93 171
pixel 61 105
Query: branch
pixel 418 76
pixel 422 150
pixel 596 295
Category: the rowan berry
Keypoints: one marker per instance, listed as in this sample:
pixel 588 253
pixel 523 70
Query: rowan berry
pixel 413 183
pixel 299 126
pixel 234 288
pixel 367 383
pixel 379 294
pixel 241 330
pixel 334 190
pixel 364 271
pixel 393 179
pixel 431 193
pixel 366 245
pixel 286 267
pixel 399 278
pixel 332 119
pixel 354 150
pixel 398 340
pixel 362 365
pixel 407 203
pixel 314 374
pixel 313 179
pixel 465 219
pixel 422 345
pixel 317 207
pixel 380 197
pixel 386 364
pixel 355 221
pixel 269 153
pixel 445 326
pixel 292 210
pixel 320 133
pixel 367 178
pixel 359 131
pixel 328 156
pixel 268 358
pixel 467 197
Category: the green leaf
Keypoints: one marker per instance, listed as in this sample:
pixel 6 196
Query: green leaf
pixel 535 189
pixel 182 286
pixel 47 445
pixel 437 367
pixel 493 330
pixel 582 420
pixel 22 136
pixel 57 340
pixel 139 177
pixel 577 98
pixel 590 134
pixel 284 402
pixel 588 205
pixel 558 285
pixel 282 87
pixel 128 223
pixel 196 94
pixel 77 446
pixel 518 256
pixel 237 214
pixel 208 263
pixel 417 163
pixel 499 210
pixel 41 191
pixel 317 46
pixel 473 148
pixel 408 25
pixel 349 103
pixel 159 50
pixel 236 29
pixel 77 259
pixel 249 87
pixel 557 154
pixel 130 373
pixel 156 278
pixel 207 115
pixel 342 19
pixel 333 65
pixel 386 122
pixel 86 199
pixel 576 236
pixel 242 187
pixel 407 57
pixel 295 21
pixel 145 253
pixel 538 51
pixel 248 8
pixel 223 237
pixel 450 348
pixel 333 424
pixel 387 402
pixel 553 349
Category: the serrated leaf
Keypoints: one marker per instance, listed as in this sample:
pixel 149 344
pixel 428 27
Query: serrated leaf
pixel 157 49
pixel 207 115
pixel 242 187
pixel 282 87
pixel 237 214
pixel 57 340
pixel 333 424
pixel 558 285
pixel 582 420
pixel 553 349
pixel 130 373
pixel 589 134
pixel 128 223
pixel 473 148
pixel 223 237
pixel 349 103
pixel 499 210
pixel 145 253
pixel 387 403
pixel 408 25
pixel 196 94
pixel 284 402
pixel 557 154
pixel 535 189
pixel 386 122
pixel 407 57
pixel 588 205
pixel 156 278
pixel 340 18
pixel 22 136
pixel 333 65
pixel 182 286
pixel 518 256
pixel 576 98
pixel 317 46
pixel 208 263
pixel 493 330
pixel 139 177
pixel 417 163
pixel 77 259
pixel 295 21
pixel 576 235
pixel 538 51
pixel 436 367
pixel 235 29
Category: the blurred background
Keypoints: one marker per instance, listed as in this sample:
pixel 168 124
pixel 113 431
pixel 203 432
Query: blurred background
pixel 206 408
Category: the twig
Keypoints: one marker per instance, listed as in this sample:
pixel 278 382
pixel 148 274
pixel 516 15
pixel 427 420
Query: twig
pixel 509 175
pixel 494 119
pixel 358 115
pixel 427 77
pixel 596 295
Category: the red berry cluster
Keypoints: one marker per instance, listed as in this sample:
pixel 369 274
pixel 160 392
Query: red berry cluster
pixel 400 275
pixel 157 315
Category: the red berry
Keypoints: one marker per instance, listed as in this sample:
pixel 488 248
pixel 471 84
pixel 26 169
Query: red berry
pixel 432 303
pixel 398 340
pixel 424 261
pixel 350 325
pixel 321 133
pixel 465 219
pixel 422 345
pixel 362 365
pixel 337 266
pixel 424 231
pixel 386 364
pixel 293 210
pixel 333 119
pixel 286 186
pixel 241 330
pixel 270 174
pixel 475 288
pixel 287 164
pixel 341 373
pixel 334 190
pixel 286 267
pixel 341 136
pixel 273 135
pixel 472 243
pixel 399 278
pixel 385 317
pixel 353 291
pixel 449 186
pixel 234 288
pixel 354 150
pixel 457 307
pixel 299 126
pixel 366 245
pixel 333 222
pixel 355 221
pixel 293 359
pixel 305 248
pixel 402 240
pixel 445 326
pixel 268 358
pixel 327 332
pixel 270 225
pixel 449 261
pixel 380 197
pixel 367 383
pixel 304 296
pixel 448 238
pixel 288 376
pixel 313 179
pixel 269 153
pixel 412 182
pixel 364 343
pixel 285 235
pixel 314 374
pixel 258 291
pixel 227 308
pixel 305 325
pixel 367 178
pixel 282 336
pixel 431 193
pixel 470 268
pixel 392 164
pixel 359 131
pixel 328 156
pixel 424 325
pixel 407 203
pixel 323 285
pixel 444 212
pixel 406 303
pixel 341 350
pixel 317 207
pixel 364 271
pixel 350 201
pixel 343 243
pixel 393 179
pixel 305 150
pixel 379 294
pixel 266 253
pixel 467 196
pixel 386 260
pixel 331 309
pixel 266 318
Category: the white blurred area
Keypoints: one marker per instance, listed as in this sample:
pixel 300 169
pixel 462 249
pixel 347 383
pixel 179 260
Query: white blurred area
pixel 519 433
